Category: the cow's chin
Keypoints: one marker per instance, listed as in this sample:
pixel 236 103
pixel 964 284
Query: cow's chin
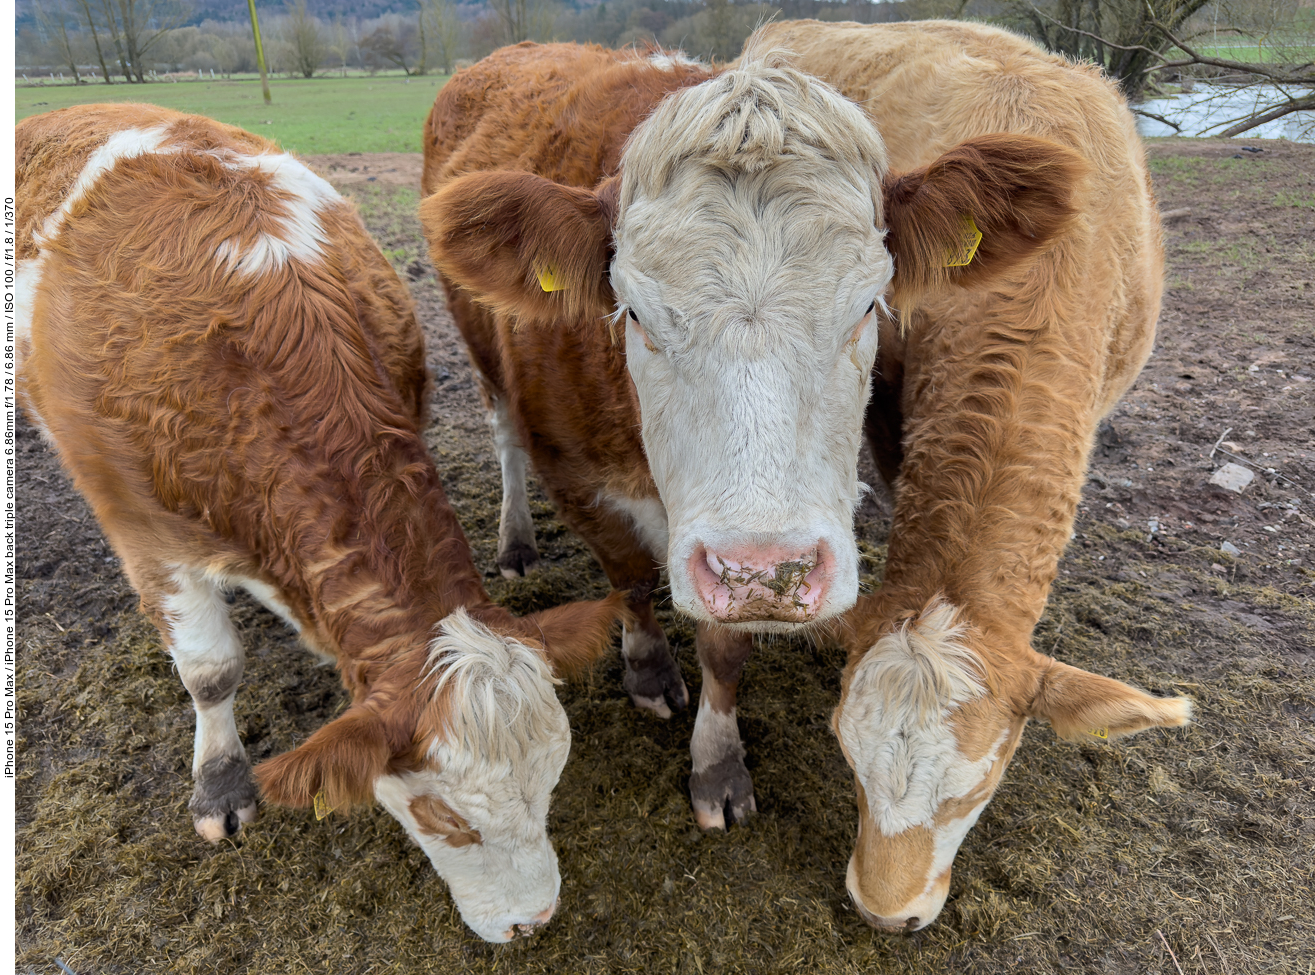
pixel 763 584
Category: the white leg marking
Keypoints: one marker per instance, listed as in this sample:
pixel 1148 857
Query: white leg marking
pixel 639 645
pixel 516 525
pixel 206 649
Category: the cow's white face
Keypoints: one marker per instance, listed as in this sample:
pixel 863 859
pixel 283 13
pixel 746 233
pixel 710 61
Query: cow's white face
pixel 929 723
pixel 749 265
pixel 479 806
pixel 484 827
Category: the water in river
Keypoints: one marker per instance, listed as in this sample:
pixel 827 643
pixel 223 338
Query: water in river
pixel 1209 109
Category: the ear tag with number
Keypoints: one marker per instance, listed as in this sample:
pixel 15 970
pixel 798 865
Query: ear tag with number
pixel 549 281
pixel 961 252
pixel 322 807
pixel 1101 733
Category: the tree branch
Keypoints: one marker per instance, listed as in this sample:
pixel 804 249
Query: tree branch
pixel 1293 105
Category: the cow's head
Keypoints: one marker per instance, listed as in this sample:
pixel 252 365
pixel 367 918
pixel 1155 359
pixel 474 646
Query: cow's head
pixel 749 244
pixel 928 720
pixel 464 752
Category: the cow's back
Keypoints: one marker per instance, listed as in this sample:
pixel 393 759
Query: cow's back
pixel 931 85
pixel 562 111
pixel 172 274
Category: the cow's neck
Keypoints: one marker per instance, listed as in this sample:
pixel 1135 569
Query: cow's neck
pixel 381 559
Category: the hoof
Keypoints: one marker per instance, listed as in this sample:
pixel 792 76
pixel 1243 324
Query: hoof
pixel 224 798
pixel 216 829
pixel 518 559
pixel 657 686
pixel 722 794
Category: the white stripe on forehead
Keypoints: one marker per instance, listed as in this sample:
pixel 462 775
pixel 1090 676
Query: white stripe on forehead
pixel 894 721
pixel 502 704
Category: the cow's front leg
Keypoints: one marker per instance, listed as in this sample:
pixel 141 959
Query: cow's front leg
pixel 720 784
pixel 517 553
pixel 192 615
pixel 652 676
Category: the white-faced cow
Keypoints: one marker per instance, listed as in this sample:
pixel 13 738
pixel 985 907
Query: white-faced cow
pixel 983 413
pixel 743 231
pixel 233 376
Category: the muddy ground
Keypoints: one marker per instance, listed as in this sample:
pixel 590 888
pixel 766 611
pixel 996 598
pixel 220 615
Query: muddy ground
pixel 1185 851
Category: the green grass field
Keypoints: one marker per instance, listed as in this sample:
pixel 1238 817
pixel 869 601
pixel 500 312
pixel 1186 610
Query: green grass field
pixel 320 115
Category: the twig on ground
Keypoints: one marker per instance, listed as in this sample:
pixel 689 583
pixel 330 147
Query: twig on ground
pixel 1170 951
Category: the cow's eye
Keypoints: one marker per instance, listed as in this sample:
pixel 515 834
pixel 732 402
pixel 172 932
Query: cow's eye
pixel 871 308
pixel 648 343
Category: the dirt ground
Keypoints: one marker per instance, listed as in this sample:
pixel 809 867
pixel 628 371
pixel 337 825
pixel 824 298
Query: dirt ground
pixel 1171 852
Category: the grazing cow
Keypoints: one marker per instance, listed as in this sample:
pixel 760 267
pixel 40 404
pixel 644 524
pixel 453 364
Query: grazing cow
pixel 982 416
pixel 233 376
pixel 741 228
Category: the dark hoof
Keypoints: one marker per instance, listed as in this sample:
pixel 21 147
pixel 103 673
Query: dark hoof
pixel 518 559
pixel 224 798
pixel 722 794
pixel 656 685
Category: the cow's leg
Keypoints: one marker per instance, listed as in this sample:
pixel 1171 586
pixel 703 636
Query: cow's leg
pixel 192 615
pixel 517 553
pixel 652 677
pixel 720 783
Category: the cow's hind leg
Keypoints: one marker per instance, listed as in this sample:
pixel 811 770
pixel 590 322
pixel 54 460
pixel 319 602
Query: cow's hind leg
pixel 517 553
pixel 192 614
pixel 720 787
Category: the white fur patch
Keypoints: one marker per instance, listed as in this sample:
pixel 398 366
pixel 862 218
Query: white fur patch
pixel 649 516
pixel 300 234
pixel 124 144
pixel 203 643
pixel 894 723
pixel 667 60
pixel 716 736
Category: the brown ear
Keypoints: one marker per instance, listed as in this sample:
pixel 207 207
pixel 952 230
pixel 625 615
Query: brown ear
pixel 496 233
pixel 575 635
pixel 340 760
pixel 1016 189
pixel 1080 705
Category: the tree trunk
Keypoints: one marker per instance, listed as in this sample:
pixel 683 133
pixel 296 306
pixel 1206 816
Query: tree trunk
pixel 95 37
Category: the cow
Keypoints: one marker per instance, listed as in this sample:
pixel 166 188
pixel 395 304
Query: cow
pixel 983 413
pixel 671 280
pixel 234 378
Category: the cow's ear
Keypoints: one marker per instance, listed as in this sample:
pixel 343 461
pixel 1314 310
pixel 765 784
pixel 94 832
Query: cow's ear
pixel 1081 705
pixel 1017 191
pixel 524 245
pixel 335 767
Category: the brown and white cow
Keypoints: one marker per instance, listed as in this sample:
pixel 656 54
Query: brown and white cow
pixel 742 228
pixel 233 376
pixel 982 417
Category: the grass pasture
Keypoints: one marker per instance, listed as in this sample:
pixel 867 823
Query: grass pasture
pixel 1184 852
pixel 317 115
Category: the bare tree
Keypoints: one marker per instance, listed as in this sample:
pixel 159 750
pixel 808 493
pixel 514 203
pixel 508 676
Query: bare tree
pixel 1279 87
pixel 54 19
pixel 305 38
pixel 522 20
pixel 89 17
pixel 389 43
pixel 444 29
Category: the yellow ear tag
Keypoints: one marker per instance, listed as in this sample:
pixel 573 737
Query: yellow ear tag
pixel 322 807
pixel 1101 733
pixel 962 252
pixel 548 279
